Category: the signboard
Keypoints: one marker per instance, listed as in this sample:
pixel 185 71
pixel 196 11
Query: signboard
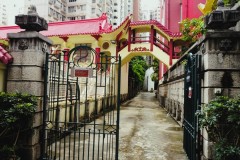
pixel 81 72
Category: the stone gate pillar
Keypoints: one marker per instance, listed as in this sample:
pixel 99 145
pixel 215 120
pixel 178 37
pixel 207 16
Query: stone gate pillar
pixel 220 51
pixel 26 74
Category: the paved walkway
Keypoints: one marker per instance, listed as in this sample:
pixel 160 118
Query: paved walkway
pixel 147 132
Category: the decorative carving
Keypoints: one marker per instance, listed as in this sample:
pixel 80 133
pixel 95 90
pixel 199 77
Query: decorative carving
pixel 225 45
pixel 44 47
pixel 31 21
pixel 139 49
pixel 23 44
pixel 32 10
pixel 202 48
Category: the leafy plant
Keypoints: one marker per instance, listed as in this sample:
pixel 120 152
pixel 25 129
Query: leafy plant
pixel 221 119
pixel 137 69
pixel 155 74
pixel 16 113
pixel 192 29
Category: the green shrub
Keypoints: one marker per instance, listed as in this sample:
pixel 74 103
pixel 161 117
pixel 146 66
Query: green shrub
pixel 16 113
pixel 221 118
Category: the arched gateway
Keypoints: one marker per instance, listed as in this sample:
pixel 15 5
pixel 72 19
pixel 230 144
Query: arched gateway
pixel 83 75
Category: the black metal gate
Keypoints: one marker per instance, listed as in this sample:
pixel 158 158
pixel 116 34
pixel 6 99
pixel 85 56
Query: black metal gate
pixel 81 106
pixel 192 101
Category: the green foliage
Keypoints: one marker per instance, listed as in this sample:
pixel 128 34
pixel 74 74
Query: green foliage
pixel 221 119
pixel 137 69
pixel 155 65
pixel 229 2
pixel 16 113
pixel 192 29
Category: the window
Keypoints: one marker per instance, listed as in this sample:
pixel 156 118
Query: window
pixel 71 18
pixel 82 7
pixel 82 17
pixel 93 10
pixel 71 9
pixel 72 0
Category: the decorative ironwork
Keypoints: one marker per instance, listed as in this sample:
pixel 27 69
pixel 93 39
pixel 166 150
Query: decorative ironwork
pixel 82 56
pixel 192 101
pixel 73 105
pixel 23 44
pixel 226 45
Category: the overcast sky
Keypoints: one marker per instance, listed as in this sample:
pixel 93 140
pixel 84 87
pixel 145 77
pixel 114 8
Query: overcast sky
pixel 12 11
pixel 149 4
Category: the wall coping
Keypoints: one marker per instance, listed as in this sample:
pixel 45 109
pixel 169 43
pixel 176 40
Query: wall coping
pixel 29 34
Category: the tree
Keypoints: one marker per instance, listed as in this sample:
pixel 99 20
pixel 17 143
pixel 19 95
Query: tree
pixel 137 69
pixel 155 74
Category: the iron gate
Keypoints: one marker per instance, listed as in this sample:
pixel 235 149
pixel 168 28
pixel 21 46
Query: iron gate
pixel 81 106
pixel 192 101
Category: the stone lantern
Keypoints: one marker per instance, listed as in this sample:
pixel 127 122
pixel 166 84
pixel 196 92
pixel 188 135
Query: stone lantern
pixel 31 21
pixel 222 17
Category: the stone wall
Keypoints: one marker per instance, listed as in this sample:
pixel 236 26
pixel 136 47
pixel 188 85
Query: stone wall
pixel 26 75
pixel 171 90
pixel 220 75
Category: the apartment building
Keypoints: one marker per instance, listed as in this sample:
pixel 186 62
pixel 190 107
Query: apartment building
pixel 3 14
pixel 61 10
pixel 51 10
pixel 8 10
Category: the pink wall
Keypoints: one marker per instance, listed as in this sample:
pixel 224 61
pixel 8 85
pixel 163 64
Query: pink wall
pixel 190 9
pixel 173 12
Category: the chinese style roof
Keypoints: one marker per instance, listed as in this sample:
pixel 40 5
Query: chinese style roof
pixel 158 25
pixel 65 28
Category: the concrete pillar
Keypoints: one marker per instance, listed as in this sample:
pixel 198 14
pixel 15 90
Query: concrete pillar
pixel 26 75
pixel 221 71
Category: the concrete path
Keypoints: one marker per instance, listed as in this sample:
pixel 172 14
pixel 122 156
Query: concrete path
pixel 147 132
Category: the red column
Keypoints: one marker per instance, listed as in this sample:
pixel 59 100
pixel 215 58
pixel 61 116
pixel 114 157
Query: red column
pixel 66 52
pixel 97 56
pixel 170 51
pixel 151 38
pixel 129 38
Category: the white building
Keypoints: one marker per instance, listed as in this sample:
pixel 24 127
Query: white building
pixel 9 9
pixel 51 10
pixel 148 83
pixel 61 10
pixel 3 14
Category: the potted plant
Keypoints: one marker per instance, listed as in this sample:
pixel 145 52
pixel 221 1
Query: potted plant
pixel 16 113
pixel 221 118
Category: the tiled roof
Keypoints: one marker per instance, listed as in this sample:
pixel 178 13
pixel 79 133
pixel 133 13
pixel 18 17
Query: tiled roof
pixel 157 24
pixel 4 56
pixel 75 27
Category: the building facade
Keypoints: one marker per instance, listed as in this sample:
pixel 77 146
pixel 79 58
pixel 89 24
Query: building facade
pixel 62 10
pixel 3 15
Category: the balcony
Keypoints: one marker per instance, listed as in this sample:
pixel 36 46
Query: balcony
pixel 99 4
pixel 50 1
pixel 57 4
